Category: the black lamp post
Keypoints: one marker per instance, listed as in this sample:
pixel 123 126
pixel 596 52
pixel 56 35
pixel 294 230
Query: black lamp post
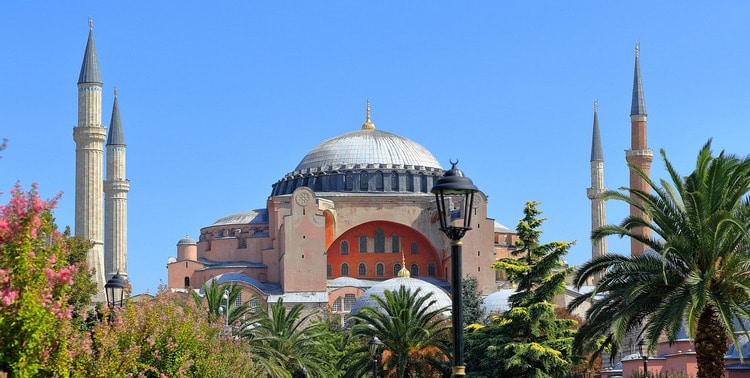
pixel 454 185
pixel 114 289
pixel 374 345
pixel 641 343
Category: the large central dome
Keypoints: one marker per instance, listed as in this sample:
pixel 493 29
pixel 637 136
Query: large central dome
pixel 366 160
pixel 368 147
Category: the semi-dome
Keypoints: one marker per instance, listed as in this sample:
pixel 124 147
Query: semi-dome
pixel 366 160
pixel 440 296
pixel 257 216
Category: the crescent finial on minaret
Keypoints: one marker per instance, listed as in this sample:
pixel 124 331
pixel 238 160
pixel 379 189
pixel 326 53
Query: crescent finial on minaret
pixel 596 106
pixel 91 23
pixel 368 125
pixel 115 92
pixel 637 48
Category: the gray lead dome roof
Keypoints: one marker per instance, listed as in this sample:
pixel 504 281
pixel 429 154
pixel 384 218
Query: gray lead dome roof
pixel 365 147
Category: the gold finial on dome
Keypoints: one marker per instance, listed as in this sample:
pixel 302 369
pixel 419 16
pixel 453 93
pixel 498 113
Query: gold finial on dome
pixel 403 272
pixel 368 125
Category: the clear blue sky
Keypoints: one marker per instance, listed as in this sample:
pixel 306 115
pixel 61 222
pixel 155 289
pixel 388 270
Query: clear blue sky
pixel 221 99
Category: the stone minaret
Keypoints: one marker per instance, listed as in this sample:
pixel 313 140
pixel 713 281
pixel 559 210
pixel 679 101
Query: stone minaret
pixel 116 199
pixel 598 211
pixel 639 154
pixel 89 136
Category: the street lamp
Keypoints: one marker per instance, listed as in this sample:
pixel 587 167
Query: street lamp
pixel 114 289
pixel 455 184
pixel 641 343
pixel 374 345
pixel 225 298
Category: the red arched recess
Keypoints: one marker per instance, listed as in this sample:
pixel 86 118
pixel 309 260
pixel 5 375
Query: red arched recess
pixel 415 247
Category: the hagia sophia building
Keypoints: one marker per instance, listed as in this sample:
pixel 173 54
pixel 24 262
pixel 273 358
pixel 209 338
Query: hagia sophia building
pixel 356 211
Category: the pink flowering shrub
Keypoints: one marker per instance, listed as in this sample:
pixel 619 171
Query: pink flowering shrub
pixel 38 270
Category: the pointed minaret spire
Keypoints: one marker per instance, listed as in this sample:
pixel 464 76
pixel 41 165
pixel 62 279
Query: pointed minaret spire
pixel 368 125
pixel 116 136
pixel 116 189
pixel 639 155
pixel 90 66
pixel 638 105
pixel 596 191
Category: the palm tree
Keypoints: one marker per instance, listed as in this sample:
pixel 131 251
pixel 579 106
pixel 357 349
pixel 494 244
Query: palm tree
pixel 215 302
pixel 416 337
pixel 288 343
pixel 696 276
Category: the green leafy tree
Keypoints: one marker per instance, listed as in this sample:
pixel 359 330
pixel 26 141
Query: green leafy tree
pixel 473 311
pixel 43 285
pixel 696 275
pixel 168 335
pixel 529 340
pixel 415 336
pixel 286 343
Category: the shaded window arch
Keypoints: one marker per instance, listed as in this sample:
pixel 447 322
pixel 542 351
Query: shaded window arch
pixel 344 247
pixel 363 244
pixel 395 244
pixel 362 269
pixel 379 240
pixel 423 183
pixel 187 282
pixel 345 269
pixel 414 248
pixel 431 269
pixel 337 305
pixel 329 270
pixel 379 181
pixel 396 269
pixel 349 300
pixel 380 269
pixel 394 181
pixel 363 181
pixel 409 182
pixel 414 270
pixel 318 184
pixel 349 181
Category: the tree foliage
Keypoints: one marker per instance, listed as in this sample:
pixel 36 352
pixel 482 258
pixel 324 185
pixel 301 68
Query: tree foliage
pixel 695 275
pixel 529 340
pixel 44 283
pixel 472 300
pixel 415 336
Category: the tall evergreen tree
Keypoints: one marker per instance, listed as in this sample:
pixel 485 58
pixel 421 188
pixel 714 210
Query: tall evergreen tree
pixel 473 311
pixel 529 340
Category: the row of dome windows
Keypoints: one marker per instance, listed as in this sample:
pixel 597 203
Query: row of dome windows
pixel 380 270
pixel 363 181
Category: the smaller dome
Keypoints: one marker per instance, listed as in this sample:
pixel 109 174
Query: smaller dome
pixel 439 295
pixel 187 240
pixel 257 216
pixel 497 302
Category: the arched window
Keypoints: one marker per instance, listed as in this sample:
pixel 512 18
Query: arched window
pixel 379 181
pixel 349 181
pixel 187 282
pixel 396 269
pixel 431 269
pixel 414 249
pixel 329 270
pixel 362 269
pixel 379 240
pixel 363 181
pixel 363 244
pixel 394 181
pixel 337 305
pixel 345 269
pixel 349 300
pixel 409 182
pixel 414 270
pixel 344 247
pixel 380 270
pixel 395 244
pixel 423 183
